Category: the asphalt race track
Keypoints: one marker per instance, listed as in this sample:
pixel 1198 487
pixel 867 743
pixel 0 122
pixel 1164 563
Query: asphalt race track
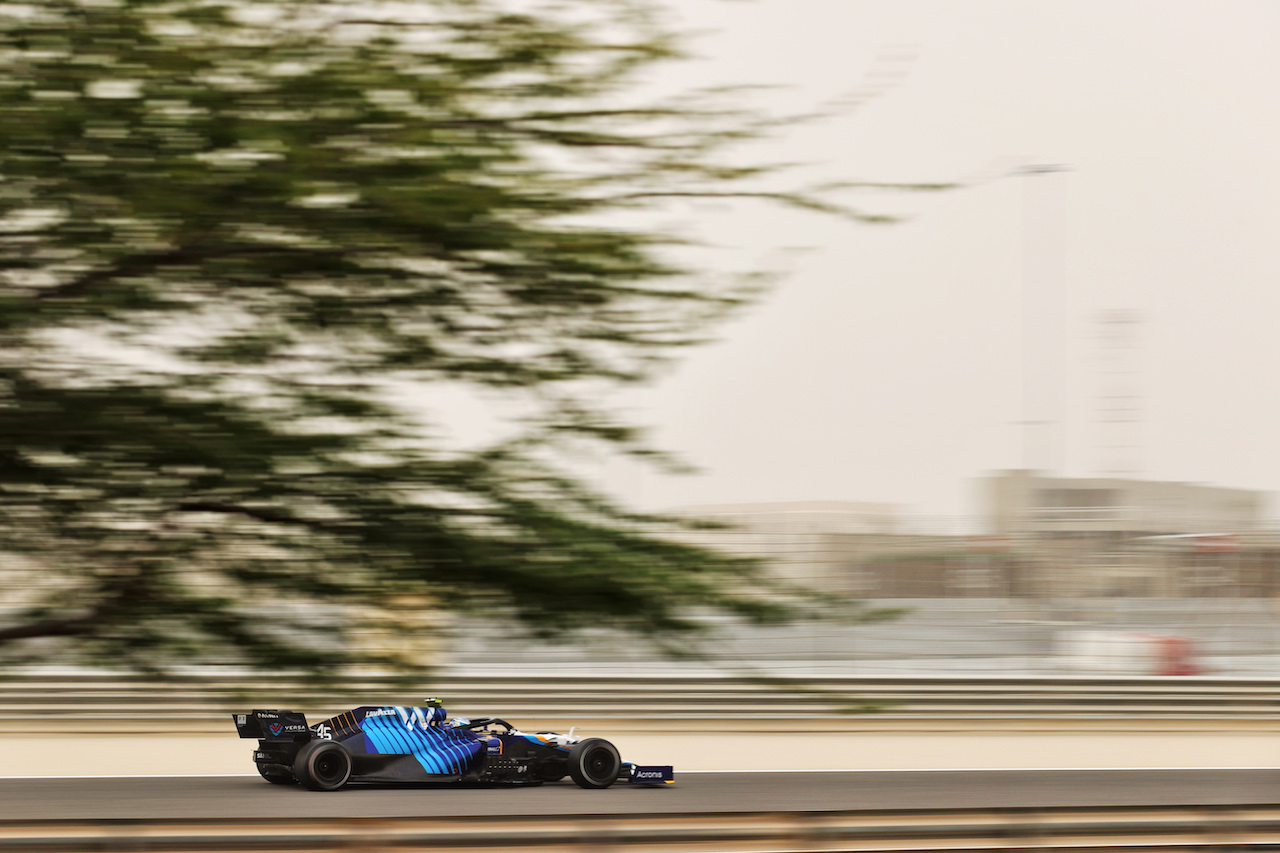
pixel 215 797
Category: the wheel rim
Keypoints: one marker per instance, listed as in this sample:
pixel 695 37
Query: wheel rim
pixel 598 764
pixel 329 767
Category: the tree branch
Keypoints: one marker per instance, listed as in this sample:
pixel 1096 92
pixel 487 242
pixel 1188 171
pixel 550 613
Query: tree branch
pixel 72 627
pixel 144 263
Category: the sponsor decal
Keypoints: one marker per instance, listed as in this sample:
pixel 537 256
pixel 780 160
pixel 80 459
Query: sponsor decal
pixel 276 728
pixel 413 718
pixel 324 732
pixel 242 719
pixel 266 715
pixel 653 775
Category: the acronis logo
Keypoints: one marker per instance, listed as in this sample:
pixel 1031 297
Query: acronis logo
pixel 651 775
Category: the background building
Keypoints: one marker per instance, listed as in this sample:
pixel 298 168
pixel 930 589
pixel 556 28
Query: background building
pixel 1024 502
pixel 1047 538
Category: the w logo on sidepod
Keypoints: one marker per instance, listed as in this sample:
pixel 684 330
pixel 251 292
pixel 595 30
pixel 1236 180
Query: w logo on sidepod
pixel 276 728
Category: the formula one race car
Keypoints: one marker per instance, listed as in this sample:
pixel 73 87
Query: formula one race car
pixel 414 744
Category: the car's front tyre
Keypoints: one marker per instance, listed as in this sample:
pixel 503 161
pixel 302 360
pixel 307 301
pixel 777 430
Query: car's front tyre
pixel 594 763
pixel 323 765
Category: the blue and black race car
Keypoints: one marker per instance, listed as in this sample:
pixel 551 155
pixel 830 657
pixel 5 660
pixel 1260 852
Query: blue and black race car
pixel 393 743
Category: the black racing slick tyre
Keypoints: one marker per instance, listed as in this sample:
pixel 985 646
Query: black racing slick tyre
pixel 323 765
pixel 594 763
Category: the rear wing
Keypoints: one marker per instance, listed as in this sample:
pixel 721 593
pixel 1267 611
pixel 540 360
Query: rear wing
pixel 272 725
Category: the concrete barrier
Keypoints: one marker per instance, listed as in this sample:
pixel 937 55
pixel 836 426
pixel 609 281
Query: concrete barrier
pixel 879 749
pixel 1162 829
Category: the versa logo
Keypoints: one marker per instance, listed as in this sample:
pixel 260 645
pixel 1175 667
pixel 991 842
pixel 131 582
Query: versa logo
pixel 276 728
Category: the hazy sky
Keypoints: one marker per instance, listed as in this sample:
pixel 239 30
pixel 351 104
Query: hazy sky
pixel 889 365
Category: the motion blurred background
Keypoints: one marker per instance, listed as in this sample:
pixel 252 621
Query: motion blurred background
pixel 340 340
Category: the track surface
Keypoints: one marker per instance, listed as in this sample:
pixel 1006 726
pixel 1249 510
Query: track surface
pixel 213 797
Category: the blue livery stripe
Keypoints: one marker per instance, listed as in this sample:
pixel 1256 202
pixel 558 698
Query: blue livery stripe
pixel 439 751
pixel 460 747
pixel 534 739
pixel 402 741
pixel 380 739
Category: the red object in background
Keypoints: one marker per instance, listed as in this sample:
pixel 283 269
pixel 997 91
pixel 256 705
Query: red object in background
pixel 1175 656
pixel 988 543
pixel 1217 543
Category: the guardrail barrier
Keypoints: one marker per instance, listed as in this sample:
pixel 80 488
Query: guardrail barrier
pixel 89 702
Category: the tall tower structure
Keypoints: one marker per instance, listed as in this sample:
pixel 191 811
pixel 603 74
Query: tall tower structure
pixel 1044 316
pixel 1119 397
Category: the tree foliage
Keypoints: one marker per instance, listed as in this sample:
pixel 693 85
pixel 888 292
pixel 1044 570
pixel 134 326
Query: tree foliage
pixel 237 241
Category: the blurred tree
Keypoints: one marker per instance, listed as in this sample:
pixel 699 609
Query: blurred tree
pixel 237 239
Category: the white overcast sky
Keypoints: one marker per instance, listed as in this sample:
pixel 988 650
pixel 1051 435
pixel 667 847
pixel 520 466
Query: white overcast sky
pixel 889 366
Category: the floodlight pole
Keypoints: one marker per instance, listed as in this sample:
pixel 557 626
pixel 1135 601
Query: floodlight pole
pixel 1044 313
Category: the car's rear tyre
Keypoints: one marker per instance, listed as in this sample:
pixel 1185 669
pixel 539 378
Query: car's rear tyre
pixel 594 763
pixel 323 765
pixel 276 777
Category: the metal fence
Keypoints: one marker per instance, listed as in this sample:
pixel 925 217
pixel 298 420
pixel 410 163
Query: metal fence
pixel 106 704
pixel 1013 637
